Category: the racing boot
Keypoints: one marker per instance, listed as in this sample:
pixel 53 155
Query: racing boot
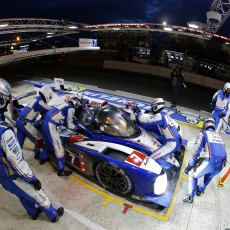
pixel 37 147
pixel 60 212
pixel 177 155
pixel 36 153
pixel 64 172
pixel 198 191
pixel 188 199
pixel 43 161
pixel 39 211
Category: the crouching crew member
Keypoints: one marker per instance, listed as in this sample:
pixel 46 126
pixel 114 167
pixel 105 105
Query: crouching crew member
pixel 208 159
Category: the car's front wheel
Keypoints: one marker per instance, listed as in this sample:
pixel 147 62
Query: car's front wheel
pixel 113 179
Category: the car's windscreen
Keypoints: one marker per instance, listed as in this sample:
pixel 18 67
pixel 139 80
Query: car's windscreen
pixel 115 122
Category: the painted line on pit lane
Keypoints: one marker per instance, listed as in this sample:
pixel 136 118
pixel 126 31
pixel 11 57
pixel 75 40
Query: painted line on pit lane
pixel 176 189
pixel 197 126
pixel 127 206
pixel 82 219
pixel 109 198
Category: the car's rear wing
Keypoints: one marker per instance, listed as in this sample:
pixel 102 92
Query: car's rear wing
pixel 24 95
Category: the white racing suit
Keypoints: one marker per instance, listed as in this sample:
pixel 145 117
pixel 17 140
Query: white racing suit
pixel 221 101
pixel 208 158
pixel 168 130
pixel 16 175
pixel 58 115
pixel 25 123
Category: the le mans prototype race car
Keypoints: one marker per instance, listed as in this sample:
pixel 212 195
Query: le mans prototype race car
pixel 114 151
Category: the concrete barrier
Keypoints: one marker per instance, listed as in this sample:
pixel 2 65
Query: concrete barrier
pixel 163 72
pixel 37 53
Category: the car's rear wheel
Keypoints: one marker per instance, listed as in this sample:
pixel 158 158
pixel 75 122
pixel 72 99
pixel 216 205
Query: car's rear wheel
pixel 114 179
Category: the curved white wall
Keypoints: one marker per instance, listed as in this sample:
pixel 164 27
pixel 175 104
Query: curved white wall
pixel 164 72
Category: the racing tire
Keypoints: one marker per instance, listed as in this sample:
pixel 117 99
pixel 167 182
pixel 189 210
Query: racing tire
pixel 113 179
pixel 160 207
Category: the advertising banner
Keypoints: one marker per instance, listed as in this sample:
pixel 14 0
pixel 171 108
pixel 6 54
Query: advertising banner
pixel 86 42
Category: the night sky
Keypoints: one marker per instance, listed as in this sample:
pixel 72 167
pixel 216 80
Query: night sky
pixel 174 12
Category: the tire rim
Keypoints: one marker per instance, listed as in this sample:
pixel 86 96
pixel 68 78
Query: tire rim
pixel 112 178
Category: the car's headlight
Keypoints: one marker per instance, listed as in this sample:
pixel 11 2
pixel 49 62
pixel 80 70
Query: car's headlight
pixel 160 184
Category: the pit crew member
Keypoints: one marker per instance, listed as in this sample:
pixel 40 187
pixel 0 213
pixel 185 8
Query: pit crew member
pixel 168 129
pixel 208 159
pixel 64 115
pixel 27 117
pixel 15 174
pixel 220 102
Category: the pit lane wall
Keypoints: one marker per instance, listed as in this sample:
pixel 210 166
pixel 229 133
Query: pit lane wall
pixel 38 53
pixel 163 72
pixel 182 116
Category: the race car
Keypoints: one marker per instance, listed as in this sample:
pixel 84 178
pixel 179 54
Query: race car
pixel 112 149
pixel 115 151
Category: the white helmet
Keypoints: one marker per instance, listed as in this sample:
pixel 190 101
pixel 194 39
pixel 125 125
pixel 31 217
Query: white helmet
pixel 46 93
pixel 76 102
pixel 209 123
pixel 157 104
pixel 226 86
pixel 5 95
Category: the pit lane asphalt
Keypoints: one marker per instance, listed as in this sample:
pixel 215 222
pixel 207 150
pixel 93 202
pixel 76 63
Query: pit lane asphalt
pixel 195 97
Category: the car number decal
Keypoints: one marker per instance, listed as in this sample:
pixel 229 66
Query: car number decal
pixel 136 158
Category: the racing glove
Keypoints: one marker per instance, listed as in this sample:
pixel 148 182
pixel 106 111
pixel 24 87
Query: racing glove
pixel 212 105
pixel 37 184
pixel 187 169
pixel 128 104
pixel 224 162
pixel 135 109
pixel 222 115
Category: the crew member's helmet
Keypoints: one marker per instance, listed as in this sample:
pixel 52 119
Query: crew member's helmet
pixel 209 123
pixel 5 95
pixel 157 104
pixel 227 88
pixel 76 102
pixel 46 93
